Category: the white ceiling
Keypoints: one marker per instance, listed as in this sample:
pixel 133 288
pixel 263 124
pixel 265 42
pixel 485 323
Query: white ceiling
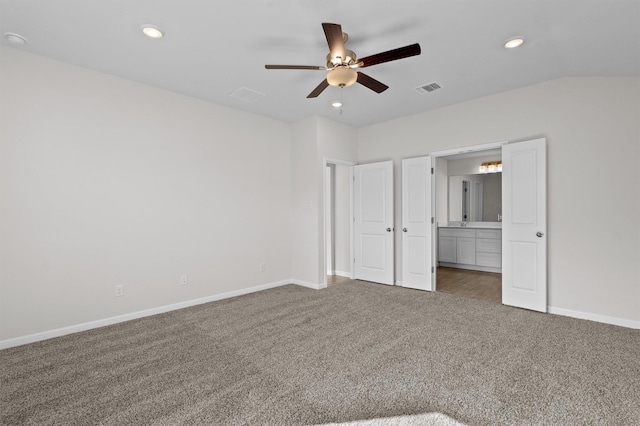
pixel 212 48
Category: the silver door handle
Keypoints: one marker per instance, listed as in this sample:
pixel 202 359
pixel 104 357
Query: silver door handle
pixel 404 229
pixel 388 229
pixel 539 234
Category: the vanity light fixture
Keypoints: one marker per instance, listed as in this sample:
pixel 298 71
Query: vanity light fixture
pixel 491 167
pixel 514 42
pixel 152 31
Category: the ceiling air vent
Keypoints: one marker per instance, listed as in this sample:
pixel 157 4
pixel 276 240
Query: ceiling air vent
pixel 246 95
pixel 428 87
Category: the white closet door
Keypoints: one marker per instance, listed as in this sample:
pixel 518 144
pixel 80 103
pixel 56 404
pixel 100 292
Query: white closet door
pixel 373 233
pixel 524 225
pixel 416 223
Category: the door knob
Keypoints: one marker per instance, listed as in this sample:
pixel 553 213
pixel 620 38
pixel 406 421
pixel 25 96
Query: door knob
pixel 404 229
pixel 388 229
pixel 539 234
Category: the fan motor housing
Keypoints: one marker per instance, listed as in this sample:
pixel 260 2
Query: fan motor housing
pixel 349 60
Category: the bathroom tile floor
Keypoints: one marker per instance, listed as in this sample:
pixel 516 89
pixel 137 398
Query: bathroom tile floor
pixel 336 279
pixel 475 284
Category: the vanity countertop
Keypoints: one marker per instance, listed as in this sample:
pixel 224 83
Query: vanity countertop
pixel 471 225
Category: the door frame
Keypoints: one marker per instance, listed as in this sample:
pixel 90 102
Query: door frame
pixel 447 153
pixel 325 162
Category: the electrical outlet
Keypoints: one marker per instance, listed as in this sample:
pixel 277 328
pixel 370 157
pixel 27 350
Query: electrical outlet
pixel 184 279
pixel 119 290
pixel 262 267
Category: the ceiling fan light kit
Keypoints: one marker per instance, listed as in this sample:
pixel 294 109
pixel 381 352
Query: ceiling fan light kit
pixel 342 77
pixel 342 63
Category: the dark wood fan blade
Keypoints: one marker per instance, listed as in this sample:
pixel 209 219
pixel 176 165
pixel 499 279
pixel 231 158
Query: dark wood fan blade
pixel 371 83
pixel 333 32
pixel 390 55
pixel 294 67
pixel 319 89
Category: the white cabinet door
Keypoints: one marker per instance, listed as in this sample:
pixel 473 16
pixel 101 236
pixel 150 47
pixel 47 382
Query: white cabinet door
pixel 416 223
pixel 466 251
pixel 447 249
pixel 524 225
pixel 373 230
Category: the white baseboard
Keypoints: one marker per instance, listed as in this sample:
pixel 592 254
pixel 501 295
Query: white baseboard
pixel 36 337
pixel 306 284
pixel 594 317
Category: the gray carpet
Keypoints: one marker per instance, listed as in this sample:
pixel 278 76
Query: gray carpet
pixel 356 352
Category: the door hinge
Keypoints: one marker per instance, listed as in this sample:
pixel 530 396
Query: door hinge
pixel 432 220
pixel 432 270
pixel 432 170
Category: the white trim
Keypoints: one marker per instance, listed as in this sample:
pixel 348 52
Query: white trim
pixel 594 317
pixel 338 162
pixel 45 335
pixel 471 267
pixel 467 149
pixel 352 266
pixel 434 226
pixel 308 284
pixel 36 337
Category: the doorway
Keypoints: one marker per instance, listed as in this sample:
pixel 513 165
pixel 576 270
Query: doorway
pixel 516 246
pixel 467 263
pixel 338 176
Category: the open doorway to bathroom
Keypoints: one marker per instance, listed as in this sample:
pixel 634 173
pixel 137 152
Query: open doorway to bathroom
pixel 468 232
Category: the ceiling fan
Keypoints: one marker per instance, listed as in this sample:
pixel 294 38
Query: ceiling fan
pixel 342 63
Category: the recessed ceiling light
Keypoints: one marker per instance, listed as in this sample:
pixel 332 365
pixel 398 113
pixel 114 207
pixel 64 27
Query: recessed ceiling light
pixel 513 43
pixel 16 39
pixel 336 104
pixel 151 31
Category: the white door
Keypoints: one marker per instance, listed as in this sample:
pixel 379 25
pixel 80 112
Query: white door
pixel 524 225
pixel 416 223
pixel 373 212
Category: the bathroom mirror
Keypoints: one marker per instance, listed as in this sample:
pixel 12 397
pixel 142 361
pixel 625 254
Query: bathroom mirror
pixel 475 198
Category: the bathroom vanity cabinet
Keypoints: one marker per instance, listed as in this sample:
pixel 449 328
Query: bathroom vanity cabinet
pixel 470 248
